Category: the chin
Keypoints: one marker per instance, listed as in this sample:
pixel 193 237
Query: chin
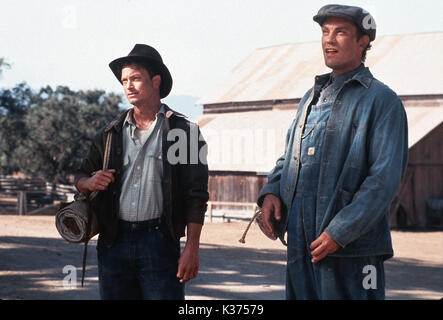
pixel 330 64
pixel 132 101
pixel 334 66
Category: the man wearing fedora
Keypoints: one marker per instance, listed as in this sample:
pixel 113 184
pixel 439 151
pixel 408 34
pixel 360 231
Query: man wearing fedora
pixel 346 153
pixel 145 202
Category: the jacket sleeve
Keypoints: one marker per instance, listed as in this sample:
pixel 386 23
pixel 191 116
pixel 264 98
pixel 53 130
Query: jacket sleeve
pixel 274 177
pixel 194 179
pixel 387 161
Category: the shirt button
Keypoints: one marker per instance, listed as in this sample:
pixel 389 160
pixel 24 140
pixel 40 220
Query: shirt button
pixel 295 158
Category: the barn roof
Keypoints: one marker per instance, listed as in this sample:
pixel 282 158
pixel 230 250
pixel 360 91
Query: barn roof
pixel 410 64
pixel 421 121
pixel 253 141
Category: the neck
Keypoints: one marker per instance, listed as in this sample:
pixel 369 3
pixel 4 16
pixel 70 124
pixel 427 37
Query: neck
pixel 346 70
pixel 144 115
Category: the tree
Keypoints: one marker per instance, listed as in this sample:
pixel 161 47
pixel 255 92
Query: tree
pixel 56 129
pixel 14 105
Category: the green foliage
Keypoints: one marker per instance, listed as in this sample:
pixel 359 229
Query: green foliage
pixel 14 104
pixel 47 134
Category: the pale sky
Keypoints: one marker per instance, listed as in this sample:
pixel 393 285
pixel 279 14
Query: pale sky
pixel 71 42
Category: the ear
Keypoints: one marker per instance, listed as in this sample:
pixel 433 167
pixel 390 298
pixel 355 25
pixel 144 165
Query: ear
pixel 156 81
pixel 364 41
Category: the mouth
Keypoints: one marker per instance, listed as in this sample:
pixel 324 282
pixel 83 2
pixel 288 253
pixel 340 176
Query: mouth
pixel 331 51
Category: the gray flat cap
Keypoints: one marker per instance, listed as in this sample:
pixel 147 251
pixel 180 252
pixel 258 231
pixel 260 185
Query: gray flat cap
pixel 363 19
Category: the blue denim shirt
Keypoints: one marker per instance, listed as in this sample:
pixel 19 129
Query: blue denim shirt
pixel 363 161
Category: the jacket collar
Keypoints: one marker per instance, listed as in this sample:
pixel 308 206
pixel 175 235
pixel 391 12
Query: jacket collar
pixel 117 123
pixel 364 77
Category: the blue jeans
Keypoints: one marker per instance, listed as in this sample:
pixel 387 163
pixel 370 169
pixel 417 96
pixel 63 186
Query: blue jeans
pixel 142 264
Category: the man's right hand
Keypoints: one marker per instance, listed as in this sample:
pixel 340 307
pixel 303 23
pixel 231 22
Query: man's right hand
pixel 98 182
pixel 271 210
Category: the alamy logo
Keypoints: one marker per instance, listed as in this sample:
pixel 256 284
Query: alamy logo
pixel 370 280
pixel 69 18
pixel 247 147
pixel 368 21
pixel 70 280
pixel 178 151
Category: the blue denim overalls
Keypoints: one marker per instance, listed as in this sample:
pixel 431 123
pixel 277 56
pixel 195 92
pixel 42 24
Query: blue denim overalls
pixel 330 278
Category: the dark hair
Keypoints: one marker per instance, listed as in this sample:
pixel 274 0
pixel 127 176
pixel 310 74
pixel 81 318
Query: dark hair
pixel 152 70
pixel 360 35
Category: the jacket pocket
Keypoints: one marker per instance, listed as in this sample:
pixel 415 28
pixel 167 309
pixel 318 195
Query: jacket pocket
pixel 309 128
pixel 155 167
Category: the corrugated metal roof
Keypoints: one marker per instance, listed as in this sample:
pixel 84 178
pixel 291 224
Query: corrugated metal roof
pixel 253 141
pixel 421 121
pixel 409 64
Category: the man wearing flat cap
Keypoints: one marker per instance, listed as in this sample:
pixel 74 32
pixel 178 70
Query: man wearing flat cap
pixel 346 153
pixel 145 201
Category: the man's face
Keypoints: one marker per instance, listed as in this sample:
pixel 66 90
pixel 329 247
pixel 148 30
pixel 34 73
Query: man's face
pixel 341 49
pixel 138 86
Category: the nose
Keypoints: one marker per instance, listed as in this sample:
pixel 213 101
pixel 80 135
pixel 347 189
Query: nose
pixel 127 84
pixel 329 38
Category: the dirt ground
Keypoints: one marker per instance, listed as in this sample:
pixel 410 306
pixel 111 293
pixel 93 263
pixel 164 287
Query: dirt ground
pixel 33 256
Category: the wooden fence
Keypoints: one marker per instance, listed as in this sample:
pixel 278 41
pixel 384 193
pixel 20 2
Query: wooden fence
pixel 28 196
pixel 229 214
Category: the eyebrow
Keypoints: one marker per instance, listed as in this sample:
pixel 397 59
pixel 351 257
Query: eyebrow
pixel 131 76
pixel 337 29
pixel 342 28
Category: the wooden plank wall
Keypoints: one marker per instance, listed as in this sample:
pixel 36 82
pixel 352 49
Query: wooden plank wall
pixel 235 187
pixel 426 178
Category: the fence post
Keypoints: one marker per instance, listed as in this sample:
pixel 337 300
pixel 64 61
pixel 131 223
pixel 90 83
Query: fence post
pixel 254 209
pixel 21 202
pixel 210 210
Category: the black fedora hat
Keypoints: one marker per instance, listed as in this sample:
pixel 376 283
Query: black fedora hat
pixel 145 54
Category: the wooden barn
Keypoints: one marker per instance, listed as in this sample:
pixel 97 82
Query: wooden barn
pixel 245 121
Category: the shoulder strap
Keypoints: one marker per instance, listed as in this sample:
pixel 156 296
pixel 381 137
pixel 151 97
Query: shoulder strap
pixel 105 159
pixel 92 196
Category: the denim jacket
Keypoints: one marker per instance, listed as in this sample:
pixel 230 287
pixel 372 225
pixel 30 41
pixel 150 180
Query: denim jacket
pixel 364 158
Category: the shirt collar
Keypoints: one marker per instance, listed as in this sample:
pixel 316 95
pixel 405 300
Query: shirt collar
pixel 361 75
pixel 117 123
pixel 341 78
pixel 129 120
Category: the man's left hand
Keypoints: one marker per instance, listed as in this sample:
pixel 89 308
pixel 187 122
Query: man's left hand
pixel 188 264
pixel 323 246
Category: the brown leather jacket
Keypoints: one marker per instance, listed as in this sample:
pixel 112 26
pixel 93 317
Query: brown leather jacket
pixel 185 186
